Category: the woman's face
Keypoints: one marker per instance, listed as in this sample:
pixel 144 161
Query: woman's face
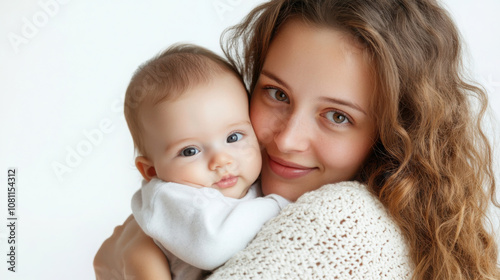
pixel 310 109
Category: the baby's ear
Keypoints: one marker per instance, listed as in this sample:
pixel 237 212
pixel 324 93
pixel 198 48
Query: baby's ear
pixel 146 167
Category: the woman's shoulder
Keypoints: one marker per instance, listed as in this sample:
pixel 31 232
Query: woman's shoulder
pixel 337 230
pixel 352 191
pixel 348 198
pixel 340 202
pixel 350 212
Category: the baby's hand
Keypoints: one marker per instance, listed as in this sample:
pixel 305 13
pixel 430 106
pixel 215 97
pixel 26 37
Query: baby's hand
pixel 130 254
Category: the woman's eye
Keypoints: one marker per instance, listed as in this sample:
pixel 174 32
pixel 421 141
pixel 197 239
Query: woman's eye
pixel 189 151
pixel 277 94
pixel 234 137
pixel 336 117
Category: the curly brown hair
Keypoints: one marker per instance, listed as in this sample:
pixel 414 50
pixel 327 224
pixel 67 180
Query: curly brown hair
pixel 432 164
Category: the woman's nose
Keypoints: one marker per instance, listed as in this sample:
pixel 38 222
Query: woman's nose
pixel 293 134
pixel 220 160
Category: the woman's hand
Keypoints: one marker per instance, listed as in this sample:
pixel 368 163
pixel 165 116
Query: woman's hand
pixel 130 254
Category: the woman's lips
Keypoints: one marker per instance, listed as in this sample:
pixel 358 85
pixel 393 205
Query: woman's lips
pixel 227 182
pixel 287 170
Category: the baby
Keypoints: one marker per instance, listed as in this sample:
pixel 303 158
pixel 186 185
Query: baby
pixel 187 111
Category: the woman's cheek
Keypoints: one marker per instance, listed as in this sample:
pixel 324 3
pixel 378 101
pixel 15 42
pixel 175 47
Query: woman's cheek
pixel 257 116
pixel 266 120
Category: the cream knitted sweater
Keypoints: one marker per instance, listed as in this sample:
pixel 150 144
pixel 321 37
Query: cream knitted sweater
pixel 340 231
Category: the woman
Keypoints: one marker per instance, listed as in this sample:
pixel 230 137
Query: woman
pixel 364 90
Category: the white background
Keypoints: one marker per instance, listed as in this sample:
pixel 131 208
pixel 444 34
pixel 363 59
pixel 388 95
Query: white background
pixel 64 68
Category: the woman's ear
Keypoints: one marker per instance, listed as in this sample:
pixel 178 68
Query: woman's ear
pixel 146 167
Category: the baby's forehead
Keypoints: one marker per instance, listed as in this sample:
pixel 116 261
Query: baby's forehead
pixel 202 96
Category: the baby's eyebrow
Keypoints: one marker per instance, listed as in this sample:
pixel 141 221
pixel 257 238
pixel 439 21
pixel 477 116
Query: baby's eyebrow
pixel 193 139
pixel 176 143
pixel 245 122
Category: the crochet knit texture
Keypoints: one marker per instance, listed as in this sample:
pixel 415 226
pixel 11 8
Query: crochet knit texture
pixel 340 231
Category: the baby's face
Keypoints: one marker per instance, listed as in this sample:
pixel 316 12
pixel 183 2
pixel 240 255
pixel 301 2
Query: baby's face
pixel 204 138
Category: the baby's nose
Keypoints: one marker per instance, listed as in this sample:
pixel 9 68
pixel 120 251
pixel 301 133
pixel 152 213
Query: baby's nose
pixel 220 160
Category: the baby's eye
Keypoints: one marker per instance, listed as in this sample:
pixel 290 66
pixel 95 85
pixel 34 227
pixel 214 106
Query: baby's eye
pixel 337 117
pixel 277 94
pixel 189 151
pixel 234 137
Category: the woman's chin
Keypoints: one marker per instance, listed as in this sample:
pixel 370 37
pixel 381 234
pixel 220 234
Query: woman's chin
pixel 273 185
pixel 289 180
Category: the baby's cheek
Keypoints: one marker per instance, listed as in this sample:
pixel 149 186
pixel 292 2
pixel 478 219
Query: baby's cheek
pixel 256 160
pixel 250 159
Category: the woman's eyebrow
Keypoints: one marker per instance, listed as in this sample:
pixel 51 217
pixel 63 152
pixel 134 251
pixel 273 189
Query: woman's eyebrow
pixel 345 103
pixel 327 99
pixel 274 77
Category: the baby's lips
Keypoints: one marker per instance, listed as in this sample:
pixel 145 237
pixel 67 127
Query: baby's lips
pixel 227 181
